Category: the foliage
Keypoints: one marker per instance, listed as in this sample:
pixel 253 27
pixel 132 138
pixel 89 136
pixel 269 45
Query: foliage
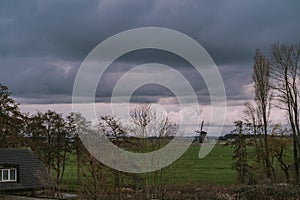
pixel 240 155
pixel 77 124
pixel 50 137
pixel 11 121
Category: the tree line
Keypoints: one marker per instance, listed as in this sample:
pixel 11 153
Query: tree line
pixel 50 134
pixel 276 148
pixel 54 137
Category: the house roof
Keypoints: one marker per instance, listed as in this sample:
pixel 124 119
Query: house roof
pixel 31 173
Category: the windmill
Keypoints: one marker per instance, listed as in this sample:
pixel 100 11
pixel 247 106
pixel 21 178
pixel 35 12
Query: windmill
pixel 202 133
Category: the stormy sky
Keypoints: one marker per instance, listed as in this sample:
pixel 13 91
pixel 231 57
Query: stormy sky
pixel 43 43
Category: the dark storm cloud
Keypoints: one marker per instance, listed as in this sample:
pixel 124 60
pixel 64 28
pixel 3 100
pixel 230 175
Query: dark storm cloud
pixel 42 43
pixel 63 29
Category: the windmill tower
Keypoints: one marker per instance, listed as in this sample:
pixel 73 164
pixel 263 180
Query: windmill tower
pixel 202 134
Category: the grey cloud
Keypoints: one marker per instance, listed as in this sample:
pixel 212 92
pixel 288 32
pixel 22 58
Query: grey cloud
pixel 39 39
pixel 34 77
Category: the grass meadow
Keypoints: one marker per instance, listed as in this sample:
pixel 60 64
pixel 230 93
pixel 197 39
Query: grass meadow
pixel 215 168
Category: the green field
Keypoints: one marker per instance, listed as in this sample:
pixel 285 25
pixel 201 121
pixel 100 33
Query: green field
pixel 215 168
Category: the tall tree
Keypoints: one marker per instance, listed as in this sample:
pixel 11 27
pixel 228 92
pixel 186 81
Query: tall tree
pixel 59 141
pixel 51 139
pixel 285 61
pixel 261 79
pixel 112 126
pixel 251 115
pixel 11 120
pixel 240 154
pixel 37 133
pixel 77 124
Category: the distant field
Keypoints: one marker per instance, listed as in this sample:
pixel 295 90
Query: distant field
pixel 215 168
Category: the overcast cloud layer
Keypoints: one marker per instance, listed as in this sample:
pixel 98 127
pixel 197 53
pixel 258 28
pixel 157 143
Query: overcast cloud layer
pixel 42 43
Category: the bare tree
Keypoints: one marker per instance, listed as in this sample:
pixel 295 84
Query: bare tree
pixel 96 184
pixel 141 116
pixel 251 116
pixel 151 121
pixel 285 74
pixel 257 114
pixel 261 79
pixel 279 149
pixel 154 129
pixel 100 181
